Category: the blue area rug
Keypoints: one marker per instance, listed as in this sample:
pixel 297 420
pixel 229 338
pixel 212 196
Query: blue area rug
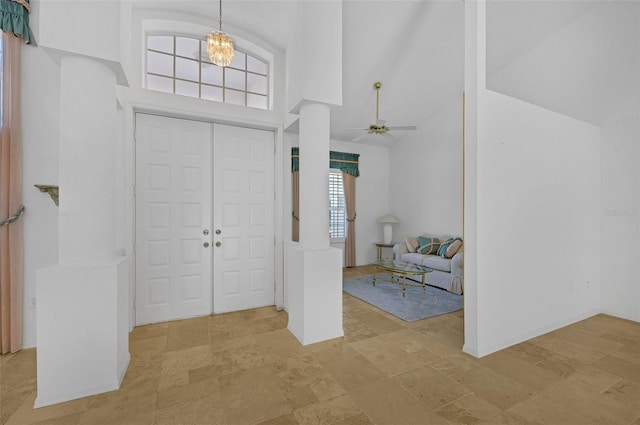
pixel 417 304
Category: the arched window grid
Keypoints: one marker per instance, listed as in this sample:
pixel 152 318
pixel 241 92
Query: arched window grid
pixel 173 67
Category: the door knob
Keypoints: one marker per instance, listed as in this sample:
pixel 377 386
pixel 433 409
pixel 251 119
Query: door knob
pixel 205 232
pixel 206 244
pixel 218 244
pixel 218 231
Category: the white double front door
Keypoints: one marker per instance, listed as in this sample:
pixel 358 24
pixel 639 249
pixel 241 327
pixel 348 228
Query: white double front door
pixel 204 218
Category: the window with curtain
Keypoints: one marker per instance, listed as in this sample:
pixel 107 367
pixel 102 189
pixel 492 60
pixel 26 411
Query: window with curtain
pixel 182 66
pixel 337 206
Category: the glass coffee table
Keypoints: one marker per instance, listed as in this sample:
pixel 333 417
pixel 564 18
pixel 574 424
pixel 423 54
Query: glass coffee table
pixel 399 269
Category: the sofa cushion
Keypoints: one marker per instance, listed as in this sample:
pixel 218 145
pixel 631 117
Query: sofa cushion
pixel 411 243
pixel 428 245
pixel 437 263
pixel 412 257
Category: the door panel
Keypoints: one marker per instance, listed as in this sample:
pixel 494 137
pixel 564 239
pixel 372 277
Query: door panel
pixel 173 207
pixel 244 214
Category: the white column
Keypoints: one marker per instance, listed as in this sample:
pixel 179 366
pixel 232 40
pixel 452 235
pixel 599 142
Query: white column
pixel 87 161
pixel 82 319
pixel 314 176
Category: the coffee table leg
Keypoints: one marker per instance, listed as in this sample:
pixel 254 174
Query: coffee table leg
pixel 404 284
pixel 375 270
pixel 424 286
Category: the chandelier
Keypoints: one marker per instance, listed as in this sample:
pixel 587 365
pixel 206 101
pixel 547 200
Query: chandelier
pixel 220 45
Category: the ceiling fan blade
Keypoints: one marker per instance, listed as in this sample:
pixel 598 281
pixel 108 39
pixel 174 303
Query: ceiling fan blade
pixel 356 128
pixel 360 137
pixel 403 127
pixel 388 136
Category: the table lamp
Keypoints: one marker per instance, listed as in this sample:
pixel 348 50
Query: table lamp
pixel 387 229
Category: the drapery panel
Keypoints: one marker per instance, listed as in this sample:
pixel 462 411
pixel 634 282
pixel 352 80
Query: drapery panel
pixel 295 220
pixel 14 18
pixel 11 240
pixel 349 183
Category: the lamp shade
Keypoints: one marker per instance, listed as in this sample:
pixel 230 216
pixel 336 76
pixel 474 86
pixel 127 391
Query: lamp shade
pixel 387 229
pixel 388 218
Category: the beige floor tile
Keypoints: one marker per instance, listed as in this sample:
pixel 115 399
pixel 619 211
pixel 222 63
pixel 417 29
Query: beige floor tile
pixel 268 324
pixel 431 387
pixel 246 368
pixel 588 340
pixel 300 396
pixel 377 322
pixel 573 396
pixel 149 331
pixel 626 392
pixel 620 367
pixel 454 364
pixel 386 356
pixel 359 419
pixel 188 333
pixel 121 409
pixel 299 370
pixel 327 412
pixel 571 349
pixel 288 419
pixel 26 414
pixel 256 404
pixel 411 341
pixel 472 409
pixel 202 410
pixel 326 387
pixel 278 344
pixel 17 381
pixel 494 387
pixel 187 359
pixel 72 419
pixel 529 375
pixel 594 379
pixel 148 346
pixel 542 411
pixel 387 403
pixel 174 396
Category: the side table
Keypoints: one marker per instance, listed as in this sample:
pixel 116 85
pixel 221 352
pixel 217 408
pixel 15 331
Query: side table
pixel 380 245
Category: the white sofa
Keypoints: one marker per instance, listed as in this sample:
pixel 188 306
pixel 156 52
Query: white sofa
pixel 447 272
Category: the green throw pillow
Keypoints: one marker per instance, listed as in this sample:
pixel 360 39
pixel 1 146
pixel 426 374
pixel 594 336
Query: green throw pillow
pixel 427 245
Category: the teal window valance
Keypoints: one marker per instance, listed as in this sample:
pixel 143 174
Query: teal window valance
pixel 345 162
pixel 14 17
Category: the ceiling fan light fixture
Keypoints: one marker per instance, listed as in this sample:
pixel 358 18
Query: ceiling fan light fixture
pixel 220 46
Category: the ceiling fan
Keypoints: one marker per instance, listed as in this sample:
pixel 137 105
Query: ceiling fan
pixel 379 127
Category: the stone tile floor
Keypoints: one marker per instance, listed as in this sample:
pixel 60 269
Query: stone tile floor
pixel 246 368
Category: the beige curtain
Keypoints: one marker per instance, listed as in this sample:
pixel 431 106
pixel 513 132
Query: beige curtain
pixel 295 219
pixel 349 183
pixel 11 248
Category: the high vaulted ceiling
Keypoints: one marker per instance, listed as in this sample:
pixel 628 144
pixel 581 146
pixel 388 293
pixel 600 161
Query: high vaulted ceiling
pixel 415 48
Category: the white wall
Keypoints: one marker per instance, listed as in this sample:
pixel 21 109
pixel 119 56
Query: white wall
pixel 537 222
pixel 575 58
pixel 426 176
pixel 620 218
pixel 40 123
pixel 532 219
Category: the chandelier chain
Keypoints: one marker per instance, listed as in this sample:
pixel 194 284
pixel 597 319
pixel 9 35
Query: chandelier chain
pixel 220 15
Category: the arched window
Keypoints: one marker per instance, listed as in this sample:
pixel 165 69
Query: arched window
pixel 180 65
